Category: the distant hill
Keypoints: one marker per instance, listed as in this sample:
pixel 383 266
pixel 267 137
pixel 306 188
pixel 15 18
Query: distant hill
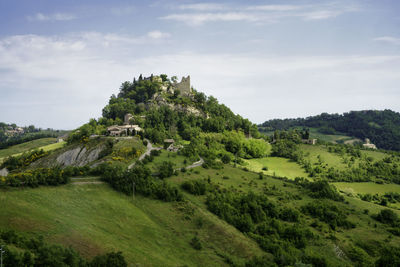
pixel 381 127
pixel 11 134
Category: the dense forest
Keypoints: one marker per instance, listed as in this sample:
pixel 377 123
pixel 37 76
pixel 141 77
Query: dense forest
pixel 381 127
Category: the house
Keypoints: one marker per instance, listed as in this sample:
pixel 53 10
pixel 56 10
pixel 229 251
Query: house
pixel 124 130
pixel 368 144
pixel 309 141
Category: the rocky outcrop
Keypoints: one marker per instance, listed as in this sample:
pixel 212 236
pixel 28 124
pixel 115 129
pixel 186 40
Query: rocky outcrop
pixel 79 156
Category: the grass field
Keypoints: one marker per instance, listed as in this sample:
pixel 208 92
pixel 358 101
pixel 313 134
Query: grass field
pixel 331 159
pixel 367 188
pixel 179 161
pixel 281 167
pixel 35 144
pixel 331 138
pixel 95 219
pixel 47 144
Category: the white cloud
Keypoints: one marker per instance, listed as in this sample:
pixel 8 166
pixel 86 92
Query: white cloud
pixel 257 13
pixel 275 7
pixel 388 39
pixel 62 81
pixel 51 17
pixel 158 35
pixel 203 7
pixel 201 18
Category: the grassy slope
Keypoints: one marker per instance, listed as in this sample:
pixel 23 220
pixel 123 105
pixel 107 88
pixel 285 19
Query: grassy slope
pixel 332 159
pixel 368 188
pixel 332 138
pixel 177 160
pixel 281 192
pixel 95 219
pixel 35 144
pixel 277 166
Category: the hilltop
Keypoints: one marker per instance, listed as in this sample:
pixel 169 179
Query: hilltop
pixel 170 177
pixel 381 127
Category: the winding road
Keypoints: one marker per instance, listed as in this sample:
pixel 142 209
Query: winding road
pixel 147 153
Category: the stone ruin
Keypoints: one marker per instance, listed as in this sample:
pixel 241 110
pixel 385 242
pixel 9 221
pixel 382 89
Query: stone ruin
pixel 184 86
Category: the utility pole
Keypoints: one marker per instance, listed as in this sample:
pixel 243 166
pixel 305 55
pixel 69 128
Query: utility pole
pixel 1 255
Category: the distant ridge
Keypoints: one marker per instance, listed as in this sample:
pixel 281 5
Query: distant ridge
pixel 382 127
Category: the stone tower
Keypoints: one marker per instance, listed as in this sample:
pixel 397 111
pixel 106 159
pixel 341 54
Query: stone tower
pixel 127 119
pixel 184 86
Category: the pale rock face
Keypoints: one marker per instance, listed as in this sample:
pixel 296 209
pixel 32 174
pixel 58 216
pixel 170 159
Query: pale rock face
pixel 3 172
pixel 78 156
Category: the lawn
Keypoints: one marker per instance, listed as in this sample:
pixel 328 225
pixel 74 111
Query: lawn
pixel 93 219
pixel 277 166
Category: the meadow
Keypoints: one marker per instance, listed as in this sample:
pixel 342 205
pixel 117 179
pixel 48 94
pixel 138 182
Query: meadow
pixel 93 219
pixel 276 166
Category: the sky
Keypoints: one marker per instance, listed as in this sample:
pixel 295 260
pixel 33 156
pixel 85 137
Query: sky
pixel 60 61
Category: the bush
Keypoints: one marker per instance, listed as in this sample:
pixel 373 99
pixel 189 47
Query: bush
pixel 195 187
pixel 389 257
pixel 195 243
pixel 122 180
pixel 33 251
pixel 110 259
pixel 166 169
pixel 387 216
pixel 226 158
pixel 322 189
pixel 36 177
pixel 330 214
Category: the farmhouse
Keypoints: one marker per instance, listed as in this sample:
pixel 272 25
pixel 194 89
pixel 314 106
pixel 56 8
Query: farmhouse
pixel 368 144
pixel 309 141
pixel 124 130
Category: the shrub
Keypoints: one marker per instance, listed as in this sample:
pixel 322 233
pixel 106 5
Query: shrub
pixel 110 259
pixel 195 187
pixel 322 189
pixel 387 216
pixel 226 158
pixel 330 214
pixel 195 243
pixel 166 169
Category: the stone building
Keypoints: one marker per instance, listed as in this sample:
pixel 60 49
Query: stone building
pixel 184 86
pixel 128 119
pixel 309 141
pixel 127 129
pixel 368 144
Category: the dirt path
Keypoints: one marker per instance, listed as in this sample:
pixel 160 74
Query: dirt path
pixel 147 153
pixel 94 182
pixel 86 180
pixel 195 164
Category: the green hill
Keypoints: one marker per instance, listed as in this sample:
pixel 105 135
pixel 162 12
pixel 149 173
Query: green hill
pixel 170 177
pixel 381 127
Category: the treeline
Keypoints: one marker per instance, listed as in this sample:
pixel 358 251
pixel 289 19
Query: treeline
pixel 20 251
pixel 17 162
pixel 16 140
pixel 360 167
pixel 36 177
pixel 30 133
pixel 140 180
pixel 381 127
pixel 49 176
